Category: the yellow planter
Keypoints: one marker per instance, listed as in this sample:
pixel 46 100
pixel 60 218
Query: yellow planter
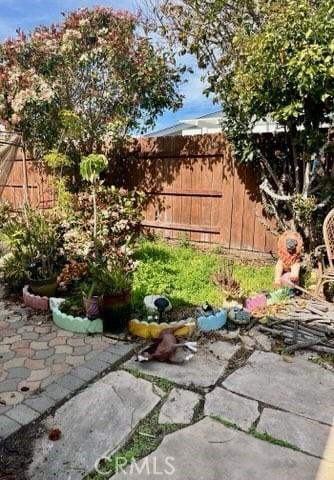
pixel 152 330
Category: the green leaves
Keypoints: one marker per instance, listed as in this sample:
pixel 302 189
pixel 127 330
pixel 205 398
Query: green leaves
pixel 92 166
pixel 56 160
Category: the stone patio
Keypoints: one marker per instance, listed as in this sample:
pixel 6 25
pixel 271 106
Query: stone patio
pixel 265 416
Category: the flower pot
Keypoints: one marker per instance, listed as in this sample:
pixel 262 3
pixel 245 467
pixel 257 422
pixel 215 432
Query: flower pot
pixel 44 287
pixel 92 306
pixel 115 311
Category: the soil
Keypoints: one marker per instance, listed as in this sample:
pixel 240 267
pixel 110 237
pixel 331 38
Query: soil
pixel 16 452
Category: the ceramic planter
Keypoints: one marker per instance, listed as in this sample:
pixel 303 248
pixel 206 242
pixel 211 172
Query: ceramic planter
pixel 44 287
pixel 145 329
pixel 34 301
pixel 71 323
pixel 212 322
pixel 115 310
pixel 92 306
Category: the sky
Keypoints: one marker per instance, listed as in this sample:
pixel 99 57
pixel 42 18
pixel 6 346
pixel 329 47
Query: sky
pixel 27 14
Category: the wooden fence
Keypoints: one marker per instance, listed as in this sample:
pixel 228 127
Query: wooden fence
pixel 194 188
pixel 12 182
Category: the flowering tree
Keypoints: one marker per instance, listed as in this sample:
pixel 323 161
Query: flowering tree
pixel 78 87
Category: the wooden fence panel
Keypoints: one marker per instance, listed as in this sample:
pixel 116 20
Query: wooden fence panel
pixel 197 189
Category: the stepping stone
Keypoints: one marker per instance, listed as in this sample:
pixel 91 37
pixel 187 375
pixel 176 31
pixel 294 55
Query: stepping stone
pixel 93 423
pixel 297 386
pixel 210 451
pixel 309 436
pixel 233 408
pixel 203 370
pixel 179 407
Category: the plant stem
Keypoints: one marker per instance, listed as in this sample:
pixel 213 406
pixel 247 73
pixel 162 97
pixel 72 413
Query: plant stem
pixel 95 212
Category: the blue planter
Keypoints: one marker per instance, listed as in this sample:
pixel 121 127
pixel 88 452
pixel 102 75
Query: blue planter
pixel 212 322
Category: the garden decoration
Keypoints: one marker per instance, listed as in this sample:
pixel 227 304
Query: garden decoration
pixel 72 323
pixel 168 349
pixel 290 246
pixel 92 304
pixel 145 329
pixel 152 303
pixel 210 318
pixel 162 304
pixel 35 301
pixel 239 315
pixel 253 303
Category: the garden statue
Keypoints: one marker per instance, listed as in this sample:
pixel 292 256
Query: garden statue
pixel 167 349
pixel 290 246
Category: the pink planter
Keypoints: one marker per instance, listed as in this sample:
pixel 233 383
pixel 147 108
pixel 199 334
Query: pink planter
pixel 256 302
pixel 35 301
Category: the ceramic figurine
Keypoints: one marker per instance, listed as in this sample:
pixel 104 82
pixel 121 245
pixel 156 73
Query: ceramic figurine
pixel 168 349
pixel 287 270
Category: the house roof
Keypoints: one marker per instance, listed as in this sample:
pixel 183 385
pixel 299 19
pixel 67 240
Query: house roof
pixel 208 124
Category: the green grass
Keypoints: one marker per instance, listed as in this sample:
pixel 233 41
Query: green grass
pixel 275 441
pixel 185 274
pixel 259 435
pixel 162 383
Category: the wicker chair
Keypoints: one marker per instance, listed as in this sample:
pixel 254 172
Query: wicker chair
pixel 326 268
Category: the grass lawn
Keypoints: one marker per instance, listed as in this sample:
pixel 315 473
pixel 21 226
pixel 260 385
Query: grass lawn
pixel 184 274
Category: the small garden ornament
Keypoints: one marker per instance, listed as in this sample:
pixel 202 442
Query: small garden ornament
pixel 290 246
pixel 168 349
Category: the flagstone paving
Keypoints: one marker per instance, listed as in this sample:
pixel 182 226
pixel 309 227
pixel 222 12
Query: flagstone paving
pixel 202 371
pixel 210 451
pixel 252 417
pixel 294 385
pixel 93 423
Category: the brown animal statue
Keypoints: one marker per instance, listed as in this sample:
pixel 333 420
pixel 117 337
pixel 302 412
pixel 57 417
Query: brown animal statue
pixel 168 349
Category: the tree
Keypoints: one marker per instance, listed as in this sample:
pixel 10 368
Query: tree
pixel 80 87
pixel 269 59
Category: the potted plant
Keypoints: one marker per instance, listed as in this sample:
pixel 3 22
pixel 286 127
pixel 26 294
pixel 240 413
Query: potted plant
pixel 45 240
pixel 34 240
pixel 92 299
pixel 115 283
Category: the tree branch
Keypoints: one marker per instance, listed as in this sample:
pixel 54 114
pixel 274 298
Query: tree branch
pixel 265 187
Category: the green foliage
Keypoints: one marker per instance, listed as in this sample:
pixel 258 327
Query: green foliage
pixel 119 215
pixel 275 441
pixel 64 198
pixel 92 166
pixel 186 275
pixel 269 60
pixel 56 160
pixel 72 124
pixel 304 208
pixel 5 211
pixel 32 237
pixel 112 278
pixel 14 269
